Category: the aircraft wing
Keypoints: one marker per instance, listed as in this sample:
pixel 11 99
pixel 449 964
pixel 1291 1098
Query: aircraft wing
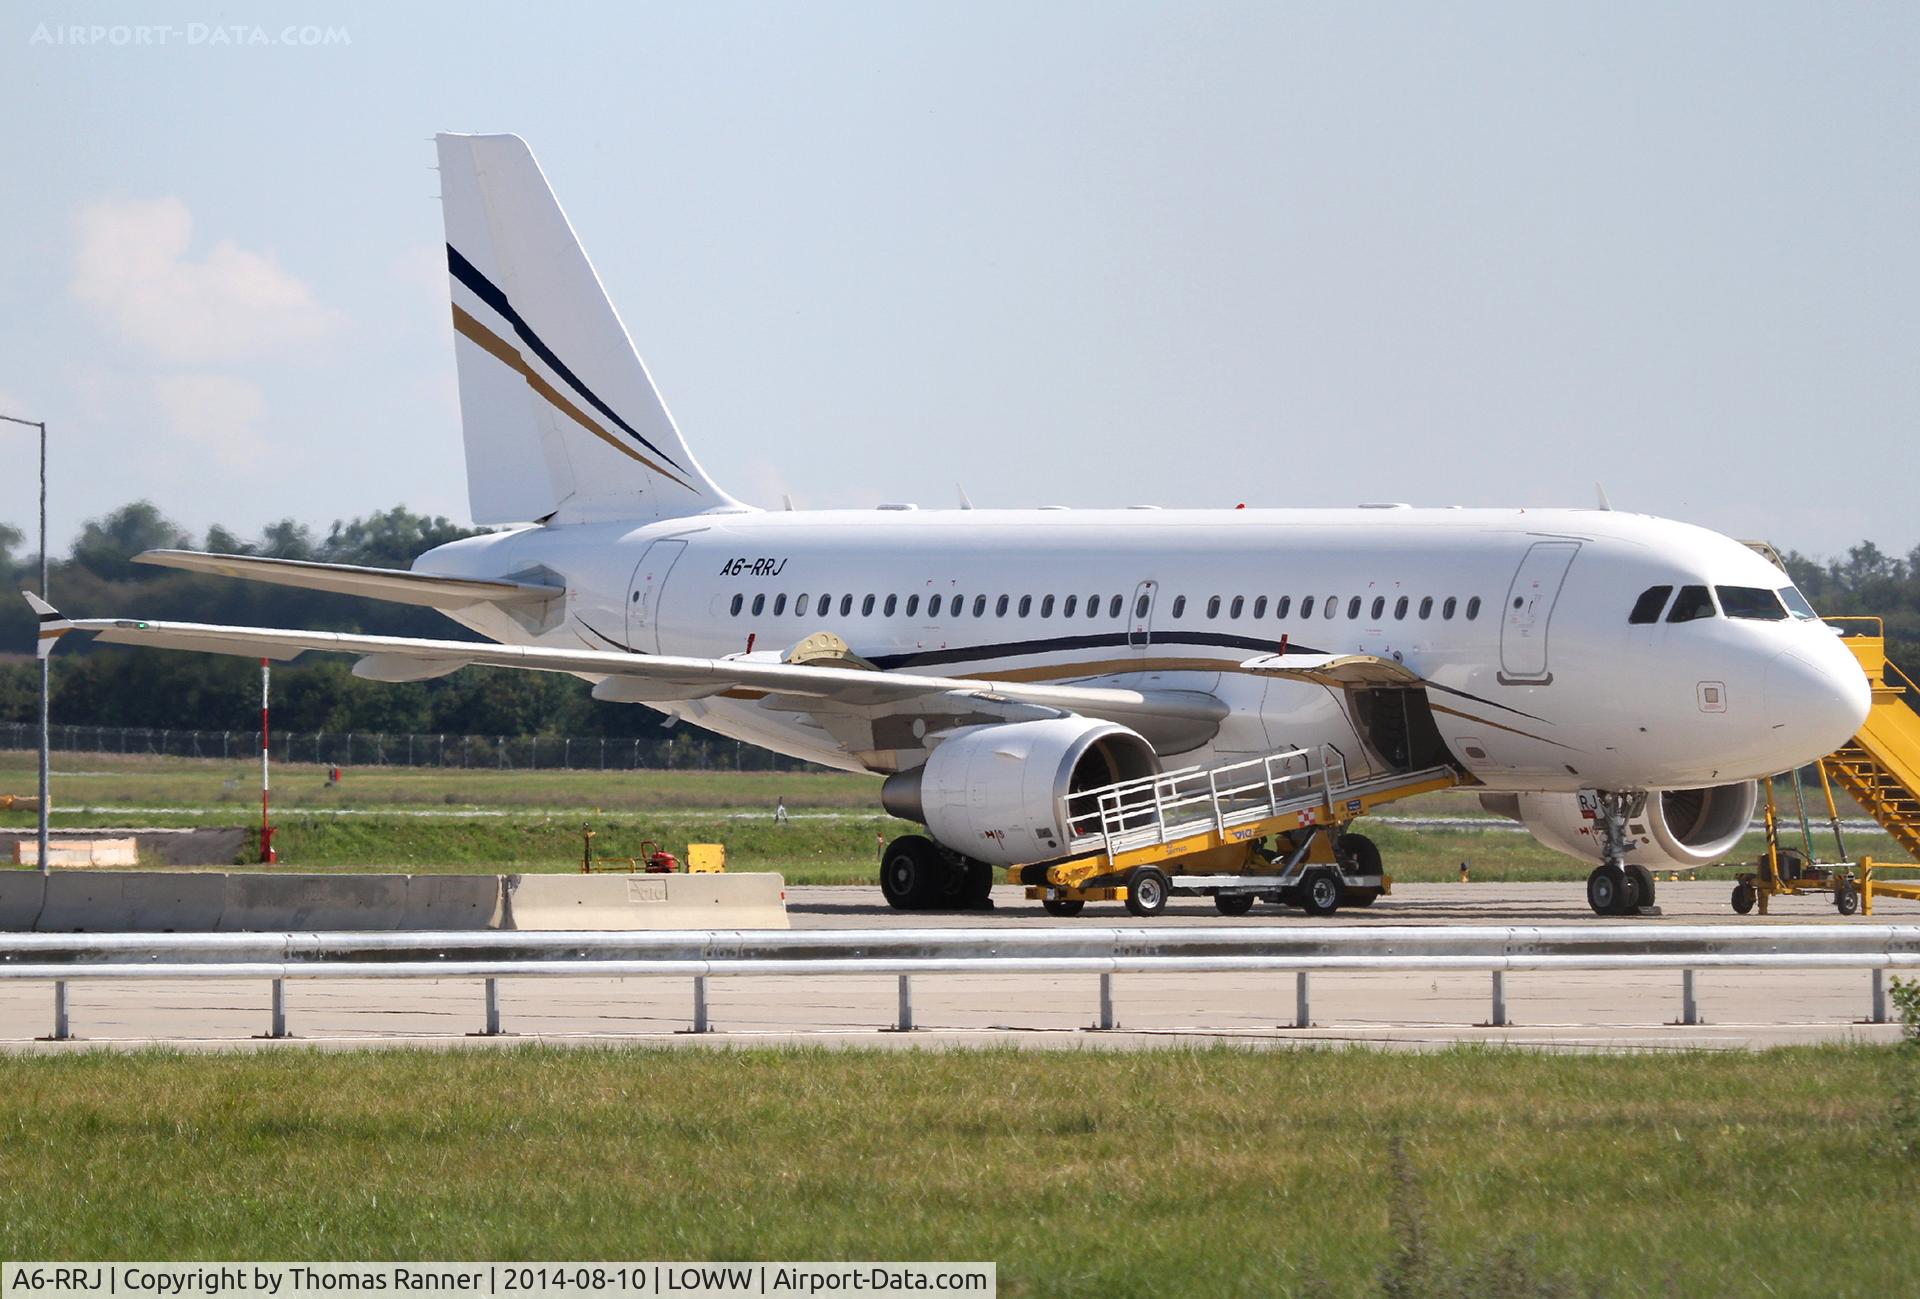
pixel 396 585
pixel 1177 716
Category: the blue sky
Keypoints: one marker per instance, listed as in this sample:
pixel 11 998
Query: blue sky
pixel 1059 253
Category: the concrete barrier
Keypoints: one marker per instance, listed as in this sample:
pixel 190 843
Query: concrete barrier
pixel 257 902
pixel 453 902
pixel 21 895
pixel 748 901
pixel 140 902
pixel 78 852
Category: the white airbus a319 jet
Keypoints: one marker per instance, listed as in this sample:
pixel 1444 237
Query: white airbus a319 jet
pixel 1615 681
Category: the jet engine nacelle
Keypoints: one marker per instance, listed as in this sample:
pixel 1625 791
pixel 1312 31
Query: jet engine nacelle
pixel 1678 829
pixel 994 793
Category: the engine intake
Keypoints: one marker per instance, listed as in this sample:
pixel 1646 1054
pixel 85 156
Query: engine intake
pixel 994 793
pixel 1679 828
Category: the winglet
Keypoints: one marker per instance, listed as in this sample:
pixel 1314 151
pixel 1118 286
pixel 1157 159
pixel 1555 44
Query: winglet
pixel 52 624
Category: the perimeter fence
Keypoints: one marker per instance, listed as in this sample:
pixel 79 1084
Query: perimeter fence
pixel 681 752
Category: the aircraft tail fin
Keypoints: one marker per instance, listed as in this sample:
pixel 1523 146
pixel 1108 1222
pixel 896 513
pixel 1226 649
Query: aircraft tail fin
pixel 560 417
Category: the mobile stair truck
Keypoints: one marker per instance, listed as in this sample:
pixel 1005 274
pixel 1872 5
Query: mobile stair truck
pixel 1272 829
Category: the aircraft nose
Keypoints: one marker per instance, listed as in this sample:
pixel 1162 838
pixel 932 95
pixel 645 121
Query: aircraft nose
pixel 1822 705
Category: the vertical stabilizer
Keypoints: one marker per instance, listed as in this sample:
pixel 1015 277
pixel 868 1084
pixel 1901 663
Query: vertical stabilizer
pixel 560 417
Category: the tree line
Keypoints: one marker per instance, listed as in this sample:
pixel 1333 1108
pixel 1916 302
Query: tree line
pixel 116 686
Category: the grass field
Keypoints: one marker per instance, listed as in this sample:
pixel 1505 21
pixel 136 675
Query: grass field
pixel 427 819
pixel 1154 1173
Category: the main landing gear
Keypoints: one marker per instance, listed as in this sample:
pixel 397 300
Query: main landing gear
pixel 1617 888
pixel 917 874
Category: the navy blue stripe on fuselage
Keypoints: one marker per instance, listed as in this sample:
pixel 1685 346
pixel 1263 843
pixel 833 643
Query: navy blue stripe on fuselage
pixel 485 289
pixel 1062 644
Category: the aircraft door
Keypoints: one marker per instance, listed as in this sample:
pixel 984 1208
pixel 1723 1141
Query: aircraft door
pixel 643 600
pixel 1529 610
pixel 1140 619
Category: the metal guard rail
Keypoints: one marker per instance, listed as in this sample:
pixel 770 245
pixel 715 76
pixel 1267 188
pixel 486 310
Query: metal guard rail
pixel 491 955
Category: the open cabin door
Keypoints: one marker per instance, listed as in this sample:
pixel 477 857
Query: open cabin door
pixel 1528 612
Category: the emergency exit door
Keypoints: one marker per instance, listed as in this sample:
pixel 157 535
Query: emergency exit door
pixel 1528 613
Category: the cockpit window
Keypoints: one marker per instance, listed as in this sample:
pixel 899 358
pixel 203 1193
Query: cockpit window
pixel 1652 600
pixel 1796 603
pixel 1692 602
pixel 1751 602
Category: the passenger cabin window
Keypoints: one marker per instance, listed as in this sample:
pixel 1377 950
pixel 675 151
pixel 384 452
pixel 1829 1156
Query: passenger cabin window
pixel 759 603
pixel 846 606
pixel 1647 608
pixel 1000 607
pixel 779 604
pixel 800 607
pixel 1113 607
pixel 1796 603
pixel 1379 607
pixel 1332 605
pixel 1750 602
pixel 1426 607
pixel 1213 607
pixel 1179 606
pixel 738 600
pixel 1353 607
pixel 1238 605
pixel 1140 607
pixel 866 607
pixel 1446 609
pixel 1066 610
pixel 1306 607
pixel 1692 602
pixel 1473 608
pixel 893 602
pixel 1093 606
pixel 1283 603
pixel 1260 606
pixel 1400 608
pixel 1046 607
pixel 1026 605
pixel 979 606
pixel 913 605
pixel 933 607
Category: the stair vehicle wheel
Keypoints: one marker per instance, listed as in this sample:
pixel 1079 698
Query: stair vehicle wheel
pixel 1320 893
pixel 1642 880
pixel 1357 854
pixel 1233 904
pixel 1846 897
pixel 912 873
pixel 1146 891
pixel 1743 897
pixel 1063 906
pixel 1608 891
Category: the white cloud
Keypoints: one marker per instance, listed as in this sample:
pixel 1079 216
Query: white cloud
pixel 217 412
pixel 132 269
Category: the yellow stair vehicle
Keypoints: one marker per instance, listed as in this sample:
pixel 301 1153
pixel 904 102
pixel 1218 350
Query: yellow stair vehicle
pixel 1880 768
pixel 1271 828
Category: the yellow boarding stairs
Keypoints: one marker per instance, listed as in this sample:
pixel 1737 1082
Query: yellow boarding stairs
pixel 1204 831
pixel 1881 767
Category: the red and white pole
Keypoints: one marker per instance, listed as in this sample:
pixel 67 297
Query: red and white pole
pixel 267 853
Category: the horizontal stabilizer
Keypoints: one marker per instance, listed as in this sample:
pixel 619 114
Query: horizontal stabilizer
pixel 395 585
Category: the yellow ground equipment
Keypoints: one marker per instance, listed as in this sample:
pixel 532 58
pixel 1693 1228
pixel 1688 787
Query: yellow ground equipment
pixel 653 860
pixel 1272 828
pixel 706 859
pixel 1880 768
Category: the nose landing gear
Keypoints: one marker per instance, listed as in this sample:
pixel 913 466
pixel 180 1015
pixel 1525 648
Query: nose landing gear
pixel 1615 888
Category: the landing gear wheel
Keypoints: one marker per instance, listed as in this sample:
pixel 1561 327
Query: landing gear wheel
pixel 1609 892
pixel 1846 897
pixel 1233 904
pixel 1642 880
pixel 1146 891
pixel 1063 906
pixel 1320 893
pixel 976 889
pixel 1743 897
pixel 912 873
